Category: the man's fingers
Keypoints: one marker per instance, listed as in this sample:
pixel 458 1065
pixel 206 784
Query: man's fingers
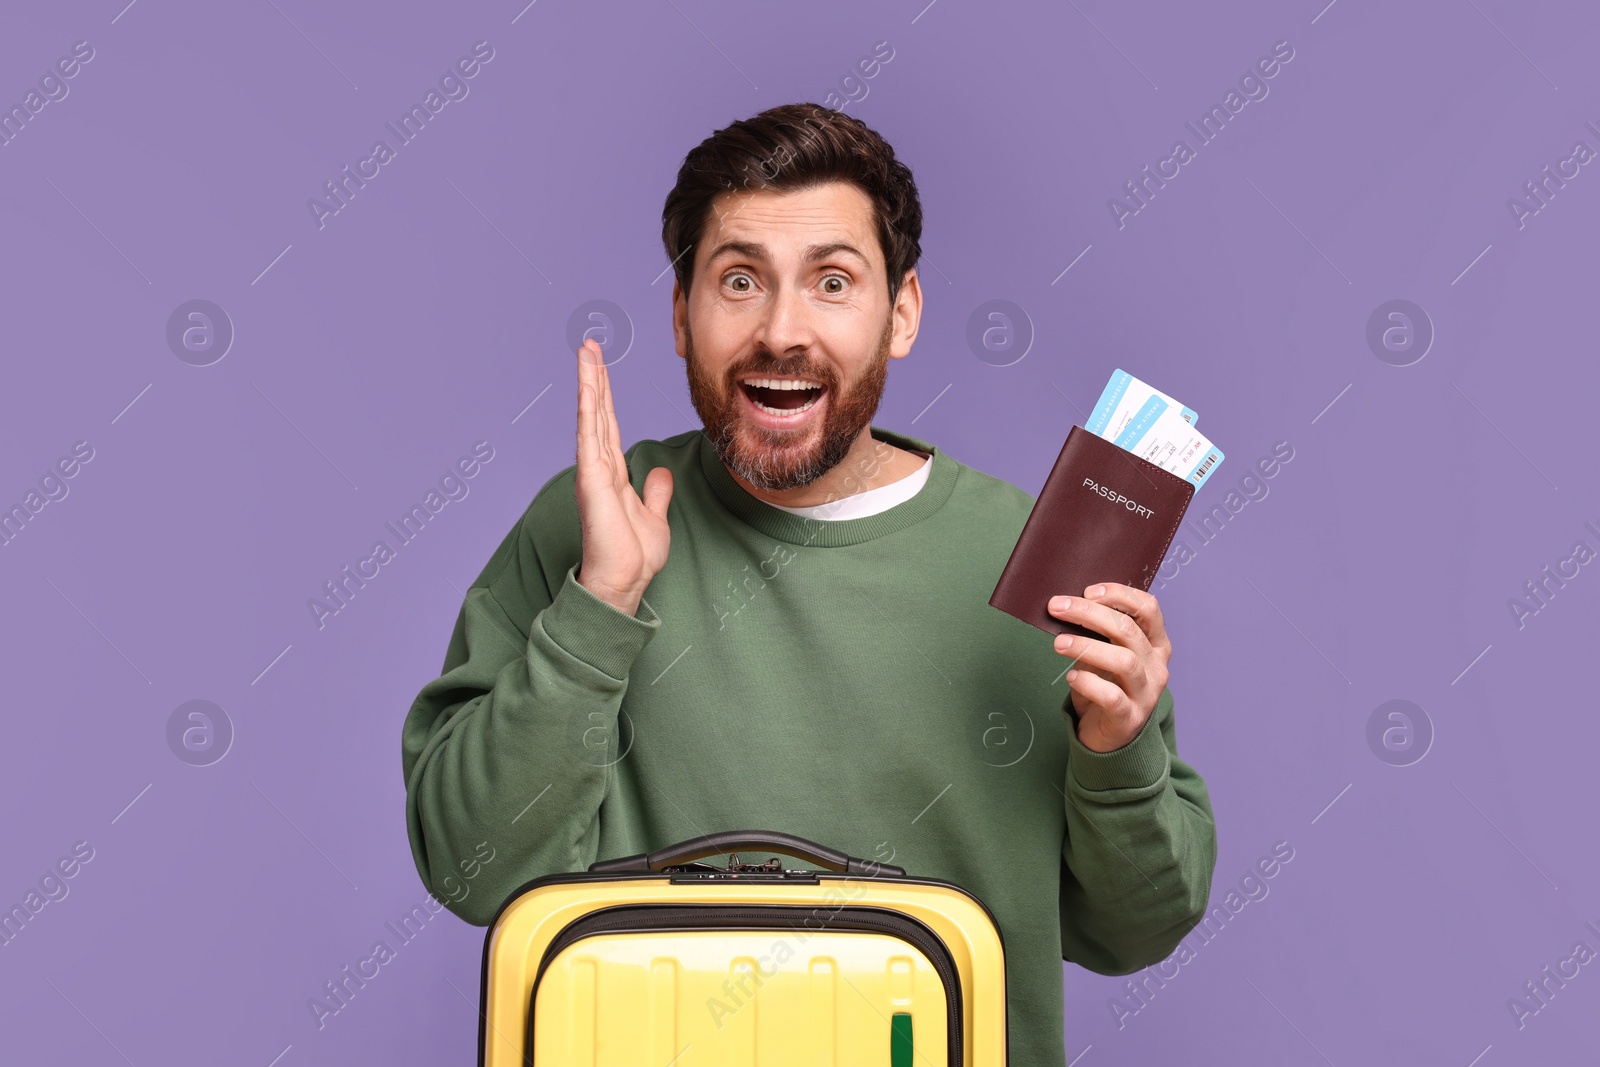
pixel 658 491
pixel 603 377
pixel 585 427
pixel 585 413
pixel 595 360
pixel 1096 689
pixel 587 448
pixel 589 429
pixel 1119 627
pixel 1118 663
pixel 592 381
pixel 612 433
pixel 1142 606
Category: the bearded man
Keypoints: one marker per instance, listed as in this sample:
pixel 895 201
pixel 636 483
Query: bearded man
pixel 781 619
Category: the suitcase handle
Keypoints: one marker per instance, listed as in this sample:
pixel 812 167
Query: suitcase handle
pixel 748 841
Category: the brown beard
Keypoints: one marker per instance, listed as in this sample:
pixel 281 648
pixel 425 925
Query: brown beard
pixel 779 460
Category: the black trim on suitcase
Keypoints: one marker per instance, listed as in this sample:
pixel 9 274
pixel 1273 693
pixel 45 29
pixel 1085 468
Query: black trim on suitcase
pixel 748 841
pixel 675 918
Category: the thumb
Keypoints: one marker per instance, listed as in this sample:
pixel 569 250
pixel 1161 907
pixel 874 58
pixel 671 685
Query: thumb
pixel 658 491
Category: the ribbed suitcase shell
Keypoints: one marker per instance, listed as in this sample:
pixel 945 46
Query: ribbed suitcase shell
pixel 666 969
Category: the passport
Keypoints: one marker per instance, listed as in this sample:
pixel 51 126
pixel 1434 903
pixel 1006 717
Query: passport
pixel 1103 515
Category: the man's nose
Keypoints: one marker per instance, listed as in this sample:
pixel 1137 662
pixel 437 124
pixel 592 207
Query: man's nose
pixel 786 326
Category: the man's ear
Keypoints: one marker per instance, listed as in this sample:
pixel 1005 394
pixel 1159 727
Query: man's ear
pixel 907 316
pixel 680 318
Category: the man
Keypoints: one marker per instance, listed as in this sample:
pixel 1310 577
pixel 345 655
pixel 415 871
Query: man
pixel 781 620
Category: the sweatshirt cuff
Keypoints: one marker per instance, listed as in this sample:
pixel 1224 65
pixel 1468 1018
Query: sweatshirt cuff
pixel 589 629
pixel 1139 764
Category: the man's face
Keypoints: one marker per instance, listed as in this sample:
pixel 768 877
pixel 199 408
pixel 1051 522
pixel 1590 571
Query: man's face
pixel 788 286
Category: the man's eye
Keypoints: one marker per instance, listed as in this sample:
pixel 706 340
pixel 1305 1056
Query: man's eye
pixel 833 278
pixel 730 280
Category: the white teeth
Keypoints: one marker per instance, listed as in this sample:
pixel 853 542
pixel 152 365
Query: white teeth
pixel 774 383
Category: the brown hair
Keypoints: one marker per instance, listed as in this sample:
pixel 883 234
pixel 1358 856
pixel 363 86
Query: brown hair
pixel 791 147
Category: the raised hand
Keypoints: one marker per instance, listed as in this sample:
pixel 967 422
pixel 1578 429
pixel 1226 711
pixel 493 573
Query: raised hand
pixel 625 538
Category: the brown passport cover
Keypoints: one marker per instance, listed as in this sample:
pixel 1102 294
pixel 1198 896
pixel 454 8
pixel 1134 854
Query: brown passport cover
pixel 1080 533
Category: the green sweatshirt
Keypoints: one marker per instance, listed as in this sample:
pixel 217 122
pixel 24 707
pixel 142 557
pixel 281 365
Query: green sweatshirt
pixel 844 680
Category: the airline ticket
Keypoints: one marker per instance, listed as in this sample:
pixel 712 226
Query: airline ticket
pixel 1154 427
pixel 1123 396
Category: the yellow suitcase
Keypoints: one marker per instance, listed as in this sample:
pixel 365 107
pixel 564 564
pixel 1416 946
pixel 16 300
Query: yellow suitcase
pixel 658 960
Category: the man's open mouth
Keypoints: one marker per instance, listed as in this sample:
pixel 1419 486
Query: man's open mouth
pixel 782 396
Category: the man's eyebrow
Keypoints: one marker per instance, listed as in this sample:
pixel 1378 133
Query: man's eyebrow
pixel 751 250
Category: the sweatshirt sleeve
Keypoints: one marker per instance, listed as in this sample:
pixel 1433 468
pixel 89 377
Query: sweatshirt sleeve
pixel 1139 850
pixel 506 754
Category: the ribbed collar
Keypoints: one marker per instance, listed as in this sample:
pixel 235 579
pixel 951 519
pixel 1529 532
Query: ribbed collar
pixel 832 533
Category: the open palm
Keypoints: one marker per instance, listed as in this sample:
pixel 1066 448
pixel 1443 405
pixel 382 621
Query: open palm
pixel 625 538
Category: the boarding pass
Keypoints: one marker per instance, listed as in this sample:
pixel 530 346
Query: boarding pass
pixel 1155 427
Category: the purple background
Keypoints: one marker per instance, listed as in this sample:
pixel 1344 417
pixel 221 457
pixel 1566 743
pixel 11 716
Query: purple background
pixel 371 353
